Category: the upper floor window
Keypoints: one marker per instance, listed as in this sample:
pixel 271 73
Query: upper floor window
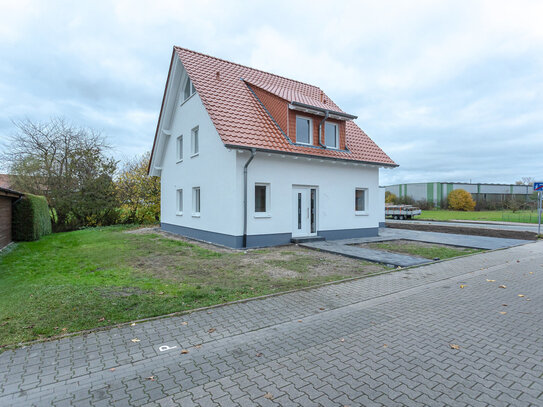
pixel 331 135
pixel 195 142
pixel 189 89
pixel 179 148
pixel 304 130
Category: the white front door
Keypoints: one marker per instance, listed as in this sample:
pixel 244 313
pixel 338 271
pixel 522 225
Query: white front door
pixel 304 204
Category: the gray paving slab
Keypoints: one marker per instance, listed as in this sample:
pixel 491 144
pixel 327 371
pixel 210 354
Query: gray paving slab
pixel 382 340
pixel 346 248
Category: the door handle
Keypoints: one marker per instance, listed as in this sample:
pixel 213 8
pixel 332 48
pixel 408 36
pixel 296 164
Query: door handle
pixel 307 213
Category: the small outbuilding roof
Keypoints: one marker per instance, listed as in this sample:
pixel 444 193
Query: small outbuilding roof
pixel 10 193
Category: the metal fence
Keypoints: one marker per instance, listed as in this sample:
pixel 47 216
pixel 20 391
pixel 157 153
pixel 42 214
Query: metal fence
pixel 522 217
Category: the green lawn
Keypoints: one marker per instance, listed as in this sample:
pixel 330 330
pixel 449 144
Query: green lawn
pixel 72 281
pixel 498 216
pixel 426 250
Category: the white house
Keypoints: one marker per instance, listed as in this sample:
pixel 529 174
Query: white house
pixel 248 158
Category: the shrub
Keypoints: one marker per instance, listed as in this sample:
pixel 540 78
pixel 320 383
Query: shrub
pixel 405 200
pixel 461 200
pixel 390 197
pixel 424 204
pixel 31 218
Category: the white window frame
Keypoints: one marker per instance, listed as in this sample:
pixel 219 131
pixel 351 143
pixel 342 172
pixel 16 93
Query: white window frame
pixel 310 130
pixel 192 90
pixel 196 201
pixel 179 202
pixel 194 136
pixel 337 135
pixel 365 211
pixel 179 148
pixel 267 213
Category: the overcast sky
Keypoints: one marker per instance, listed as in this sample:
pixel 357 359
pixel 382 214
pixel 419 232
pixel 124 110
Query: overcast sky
pixel 451 90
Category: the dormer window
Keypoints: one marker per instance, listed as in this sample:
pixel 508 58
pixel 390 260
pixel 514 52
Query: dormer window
pixel 189 90
pixel 331 135
pixel 304 130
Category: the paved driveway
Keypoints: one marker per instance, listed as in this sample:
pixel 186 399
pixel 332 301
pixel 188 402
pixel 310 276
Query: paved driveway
pixel 383 340
pixel 346 247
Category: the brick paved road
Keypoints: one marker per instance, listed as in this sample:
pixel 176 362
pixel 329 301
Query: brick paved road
pixel 382 340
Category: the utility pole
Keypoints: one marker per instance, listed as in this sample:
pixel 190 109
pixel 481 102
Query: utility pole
pixel 538 186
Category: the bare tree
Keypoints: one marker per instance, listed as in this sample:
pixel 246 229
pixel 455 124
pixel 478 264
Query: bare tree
pixel 526 181
pixel 67 164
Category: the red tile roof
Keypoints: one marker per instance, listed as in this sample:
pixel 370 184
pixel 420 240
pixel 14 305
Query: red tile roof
pixel 295 96
pixel 242 121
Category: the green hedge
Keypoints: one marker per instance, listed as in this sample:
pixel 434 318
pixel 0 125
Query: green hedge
pixel 31 219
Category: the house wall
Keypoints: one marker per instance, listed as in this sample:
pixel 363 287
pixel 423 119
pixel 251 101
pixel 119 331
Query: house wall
pixel 218 172
pixel 382 197
pixel 5 221
pixel 336 183
pixel 213 170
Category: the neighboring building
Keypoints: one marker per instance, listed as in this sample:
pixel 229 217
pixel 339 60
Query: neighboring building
pixel 248 158
pixel 7 197
pixel 5 181
pixel 437 192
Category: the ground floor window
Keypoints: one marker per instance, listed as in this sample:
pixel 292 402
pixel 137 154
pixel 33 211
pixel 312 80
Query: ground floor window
pixel 196 201
pixel 262 199
pixel 179 202
pixel 360 200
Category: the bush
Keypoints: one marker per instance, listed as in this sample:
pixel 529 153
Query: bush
pixel 390 197
pixel 405 200
pixel 424 204
pixel 31 218
pixel 461 200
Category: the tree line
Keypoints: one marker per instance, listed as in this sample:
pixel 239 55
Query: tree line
pixel 84 186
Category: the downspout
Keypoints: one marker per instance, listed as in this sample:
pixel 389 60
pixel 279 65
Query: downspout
pixel 326 114
pixel 18 199
pixel 253 152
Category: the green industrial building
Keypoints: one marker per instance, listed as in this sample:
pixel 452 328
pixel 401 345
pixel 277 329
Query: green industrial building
pixel 437 192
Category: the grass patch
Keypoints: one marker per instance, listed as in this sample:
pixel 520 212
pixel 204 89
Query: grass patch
pixel 421 249
pixel 494 216
pixel 96 277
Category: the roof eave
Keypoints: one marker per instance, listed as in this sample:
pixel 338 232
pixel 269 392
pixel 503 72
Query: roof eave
pixel 323 110
pixel 161 110
pixel 314 156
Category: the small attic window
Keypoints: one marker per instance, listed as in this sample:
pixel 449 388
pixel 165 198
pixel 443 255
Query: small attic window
pixel 189 90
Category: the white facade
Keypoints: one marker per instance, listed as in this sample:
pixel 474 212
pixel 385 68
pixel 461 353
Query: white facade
pixel 218 173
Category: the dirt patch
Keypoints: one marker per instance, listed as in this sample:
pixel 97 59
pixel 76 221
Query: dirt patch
pixel 507 234
pixel 197 260
pixel 173 236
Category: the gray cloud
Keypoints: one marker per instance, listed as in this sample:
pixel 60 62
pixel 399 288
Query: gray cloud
pixel 451 90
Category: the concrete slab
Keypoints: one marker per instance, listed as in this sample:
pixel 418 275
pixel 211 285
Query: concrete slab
pixel 345 247
pixel 378 256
